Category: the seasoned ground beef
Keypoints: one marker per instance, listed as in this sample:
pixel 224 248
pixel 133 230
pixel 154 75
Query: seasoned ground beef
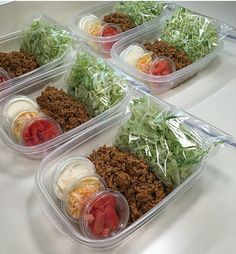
pixel 122 20
pixel 161 48
pixel 17 63
pixel 65 110
pixel 126 173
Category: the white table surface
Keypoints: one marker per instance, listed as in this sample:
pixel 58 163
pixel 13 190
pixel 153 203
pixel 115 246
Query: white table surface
pixel 202 220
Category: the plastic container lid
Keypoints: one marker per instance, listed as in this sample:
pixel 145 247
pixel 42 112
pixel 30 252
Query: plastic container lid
pixel 131 54
pixel 162 66
pixel 105 215
pixel 16 103
pixel 4 76
pixel 78 193
pixel 110 29
pixel 39 130
pixel 70 170
pixel 20 121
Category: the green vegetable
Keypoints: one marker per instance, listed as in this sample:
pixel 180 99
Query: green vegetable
pixel 140 11
pixel 94 84
pixel 193 33
pixel 45 41
pixel 172 150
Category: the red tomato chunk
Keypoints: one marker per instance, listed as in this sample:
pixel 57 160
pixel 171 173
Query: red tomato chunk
pixel 161 68
pixel 103 217
pixel 40 131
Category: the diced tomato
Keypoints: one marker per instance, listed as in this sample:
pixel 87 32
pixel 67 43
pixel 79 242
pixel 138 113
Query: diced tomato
pixel 162 67
pixel 106 219
pixel 39 131
pixel 99 223
pixel 111 218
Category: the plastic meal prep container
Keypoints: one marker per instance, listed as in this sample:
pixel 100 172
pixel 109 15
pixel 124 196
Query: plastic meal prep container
pixel 161 84
pixel 58 79
pixel 99 43
pixel 158 84
pixel 12 42
pixel 82 145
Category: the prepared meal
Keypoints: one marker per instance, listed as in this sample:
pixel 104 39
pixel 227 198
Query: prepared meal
pixel 101 27
pixel 151 154
pixel 188 39
pixel 39 46
pixel 57 95
pixel 70 170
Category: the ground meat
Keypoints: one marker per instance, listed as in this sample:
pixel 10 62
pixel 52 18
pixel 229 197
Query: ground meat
pixel 65 110
pixel 126 173
pixel 122 20
pixel 161 48
pixel 17 63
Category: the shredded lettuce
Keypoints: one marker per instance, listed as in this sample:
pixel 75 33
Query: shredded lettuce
pixel 193 33
pixel 172 149
pixel 45 41
pixel 140 11
pixel 92 82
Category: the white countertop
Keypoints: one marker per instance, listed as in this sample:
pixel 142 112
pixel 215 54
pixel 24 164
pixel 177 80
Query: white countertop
pixel 202 220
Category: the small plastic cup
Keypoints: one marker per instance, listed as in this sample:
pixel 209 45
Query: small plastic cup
pixel 131 54
pixel 20 120
pixel 144 62
pixel 105 215
pixel 90 23
pixel 108 30
pixel 68 171
pixel 86 20
pixel 16 103
pixel 78 194
pixel 39 130
pixel 162 66
pixel 4 76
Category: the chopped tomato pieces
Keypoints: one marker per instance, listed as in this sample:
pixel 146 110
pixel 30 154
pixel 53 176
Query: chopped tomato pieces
pixel 105 218
pixel 39 131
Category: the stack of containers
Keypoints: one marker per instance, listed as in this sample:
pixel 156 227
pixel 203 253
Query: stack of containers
pixel 189 35
pixel 142 14
pixel 45 40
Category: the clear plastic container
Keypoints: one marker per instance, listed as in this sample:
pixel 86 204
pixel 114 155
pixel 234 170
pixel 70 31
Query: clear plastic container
pixel 12 42
pixel 58 79
pixel 157 84
pixel 100 44
pixel 104 134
